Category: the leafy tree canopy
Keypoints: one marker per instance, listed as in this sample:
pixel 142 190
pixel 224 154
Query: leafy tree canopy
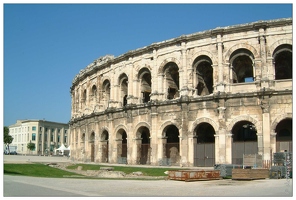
pixel 7 138
pixel 31 146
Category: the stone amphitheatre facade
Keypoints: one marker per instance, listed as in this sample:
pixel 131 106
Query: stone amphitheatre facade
pixel 197 100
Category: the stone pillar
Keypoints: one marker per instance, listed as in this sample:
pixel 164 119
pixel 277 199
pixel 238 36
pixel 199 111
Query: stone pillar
pixel 184 90
pixel 260 143
pixel 55 138
pixel 87 145
pixel 97 154
pixel 153 136
pixel 114 100
pixel 42 139
pixel 220 59
pixel 161 87
pixel 219 158
pixel 79 99
pixel 192 141
pixel 270 68
pixel 191 81
pixel 78 143
pixel 48 140
pixel 228 147
pixel 273 142
pixel 265 132
pixel 130 93
pixel 183 135
pixel 77 148
pixel 220 139
pixel 136 154
pixel 162 149
pixel 137 95
pixel 220 83
pixel 103 147
pixel 263 70
pixel 116 150
pixel 183 141
pixel 155 79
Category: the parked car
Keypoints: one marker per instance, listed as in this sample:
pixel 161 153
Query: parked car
pixel 10 153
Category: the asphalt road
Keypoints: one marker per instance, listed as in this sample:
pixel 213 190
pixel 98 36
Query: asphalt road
pixel 20 186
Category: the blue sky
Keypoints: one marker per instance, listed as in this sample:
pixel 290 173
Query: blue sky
pixel 46 45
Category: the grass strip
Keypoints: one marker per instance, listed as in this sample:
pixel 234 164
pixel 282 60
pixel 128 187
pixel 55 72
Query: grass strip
pixel 36 170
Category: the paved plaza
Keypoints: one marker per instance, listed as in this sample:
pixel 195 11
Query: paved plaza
pixel 16 186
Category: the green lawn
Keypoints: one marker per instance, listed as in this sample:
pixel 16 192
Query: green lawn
pixel 41 170
pixel 37 170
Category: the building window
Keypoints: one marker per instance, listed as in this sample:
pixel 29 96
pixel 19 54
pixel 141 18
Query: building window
pixel 33 136
pixel 51 137
pixel 65 139
pixel 33 128
pixel 58 138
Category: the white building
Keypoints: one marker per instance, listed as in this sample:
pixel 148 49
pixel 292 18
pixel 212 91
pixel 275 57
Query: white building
pixel 47 136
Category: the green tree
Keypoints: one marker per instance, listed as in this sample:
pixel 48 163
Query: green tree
pixel 7 138
pixel 31 146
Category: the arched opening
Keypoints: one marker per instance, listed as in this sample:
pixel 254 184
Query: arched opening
pixel 83 137
pixel 106 93
pixel 92 146
pixel 145 84
pixel 143 147
pixel 93 95
pixel 284 136
pixel 242 66
pixel 172 146
pixel 283 62
pixel 123 83
pixel 105 146
pixel 94 91
pixel 122 147
pixel 204 147
pixel 244 141
pixel 124 100
pixel 171 74
pixel 84 97
pixel 203 69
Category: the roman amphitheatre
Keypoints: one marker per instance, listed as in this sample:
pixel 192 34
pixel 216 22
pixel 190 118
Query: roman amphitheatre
pixel 197 100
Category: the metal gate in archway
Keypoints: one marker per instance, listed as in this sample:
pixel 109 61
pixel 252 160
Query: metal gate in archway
pixel 282 146
pixel 122 153
pixel 241 148
pixel 204 155
pixel 144 154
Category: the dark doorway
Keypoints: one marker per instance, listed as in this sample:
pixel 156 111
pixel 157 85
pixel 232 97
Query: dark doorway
pixel 244 141
pixel 204 148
